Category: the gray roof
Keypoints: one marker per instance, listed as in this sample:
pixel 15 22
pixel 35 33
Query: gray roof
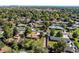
pixel 65 22
pixel 22 25
pixel 69 49
pixel 58 38
pixel 73 27
pixel 56 27
pixel 77 23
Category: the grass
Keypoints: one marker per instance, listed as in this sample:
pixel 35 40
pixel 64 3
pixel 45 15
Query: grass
pixel 51 43
pixel 77 30
pixel 40 42
pixel 76 43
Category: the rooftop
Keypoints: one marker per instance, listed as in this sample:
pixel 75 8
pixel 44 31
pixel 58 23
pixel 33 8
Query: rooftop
pixel 56 27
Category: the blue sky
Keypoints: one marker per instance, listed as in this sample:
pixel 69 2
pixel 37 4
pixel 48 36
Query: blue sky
pixel 40 2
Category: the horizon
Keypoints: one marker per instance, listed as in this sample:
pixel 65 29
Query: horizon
pixel 39 3
pixel 39 6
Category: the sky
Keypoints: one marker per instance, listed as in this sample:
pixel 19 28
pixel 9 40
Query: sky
pixel 40 2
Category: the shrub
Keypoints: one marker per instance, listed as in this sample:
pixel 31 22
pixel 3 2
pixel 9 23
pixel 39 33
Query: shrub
pixel 76 43
pixel 75 35
pixel 52 32
pixel 59 34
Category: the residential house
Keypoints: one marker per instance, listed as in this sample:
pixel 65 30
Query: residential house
pixel 56 27
pixel 17 38
pixel 33 35
pixel 5 49
pixel 69 50
pixel 1 32
pixel 21 28
pixel 71 28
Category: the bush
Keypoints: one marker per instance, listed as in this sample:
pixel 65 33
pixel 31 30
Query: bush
pixel 15 47
pixel 75 35
pixel 52 32
pixel 32 46
pixel 38 49
pixel 59 47
pixel 59 34
pixel 1 44
pixel 76 43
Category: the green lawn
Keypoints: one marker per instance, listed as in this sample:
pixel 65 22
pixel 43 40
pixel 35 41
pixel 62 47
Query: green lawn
pixel 51 43
pixel 40 42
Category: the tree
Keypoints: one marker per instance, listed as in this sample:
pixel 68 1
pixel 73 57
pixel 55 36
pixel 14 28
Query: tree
pixel 59 47
pixel 2 44
pixel 75 35
pixel 32 46
pixel 76 44
pixel 28 30
pixel 41 34
pixel 27 44
pixel 71 22
pixel 15 31
pixel 52 32
pixel 38 49
pixel 9 18
pixel 8 32
pixel 1 21
pixel 15 47
pixel 59 34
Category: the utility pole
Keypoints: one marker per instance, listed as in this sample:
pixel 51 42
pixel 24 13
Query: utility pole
pixel 46 39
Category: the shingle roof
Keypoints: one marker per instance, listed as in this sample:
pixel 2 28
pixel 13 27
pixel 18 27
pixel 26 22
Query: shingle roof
pixel 56 27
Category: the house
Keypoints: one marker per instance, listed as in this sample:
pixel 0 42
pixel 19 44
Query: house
pixel 21 25
pixel 57 38
pixel 17 38
pixel 76 25
pixel 71 28
pixel 70 35
pixel 70 45
pixel 1 32
pixel 21 28
pixel 39 21
pixel 65 34
pixel 54 20
pixel 56 27
pixel 28 20
pixel 37 25
pixel 5 49
pixel 21 19
pixel 76 22
pixel 65 23
pixel 69 50
pixel 33 35
pixel 9 40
